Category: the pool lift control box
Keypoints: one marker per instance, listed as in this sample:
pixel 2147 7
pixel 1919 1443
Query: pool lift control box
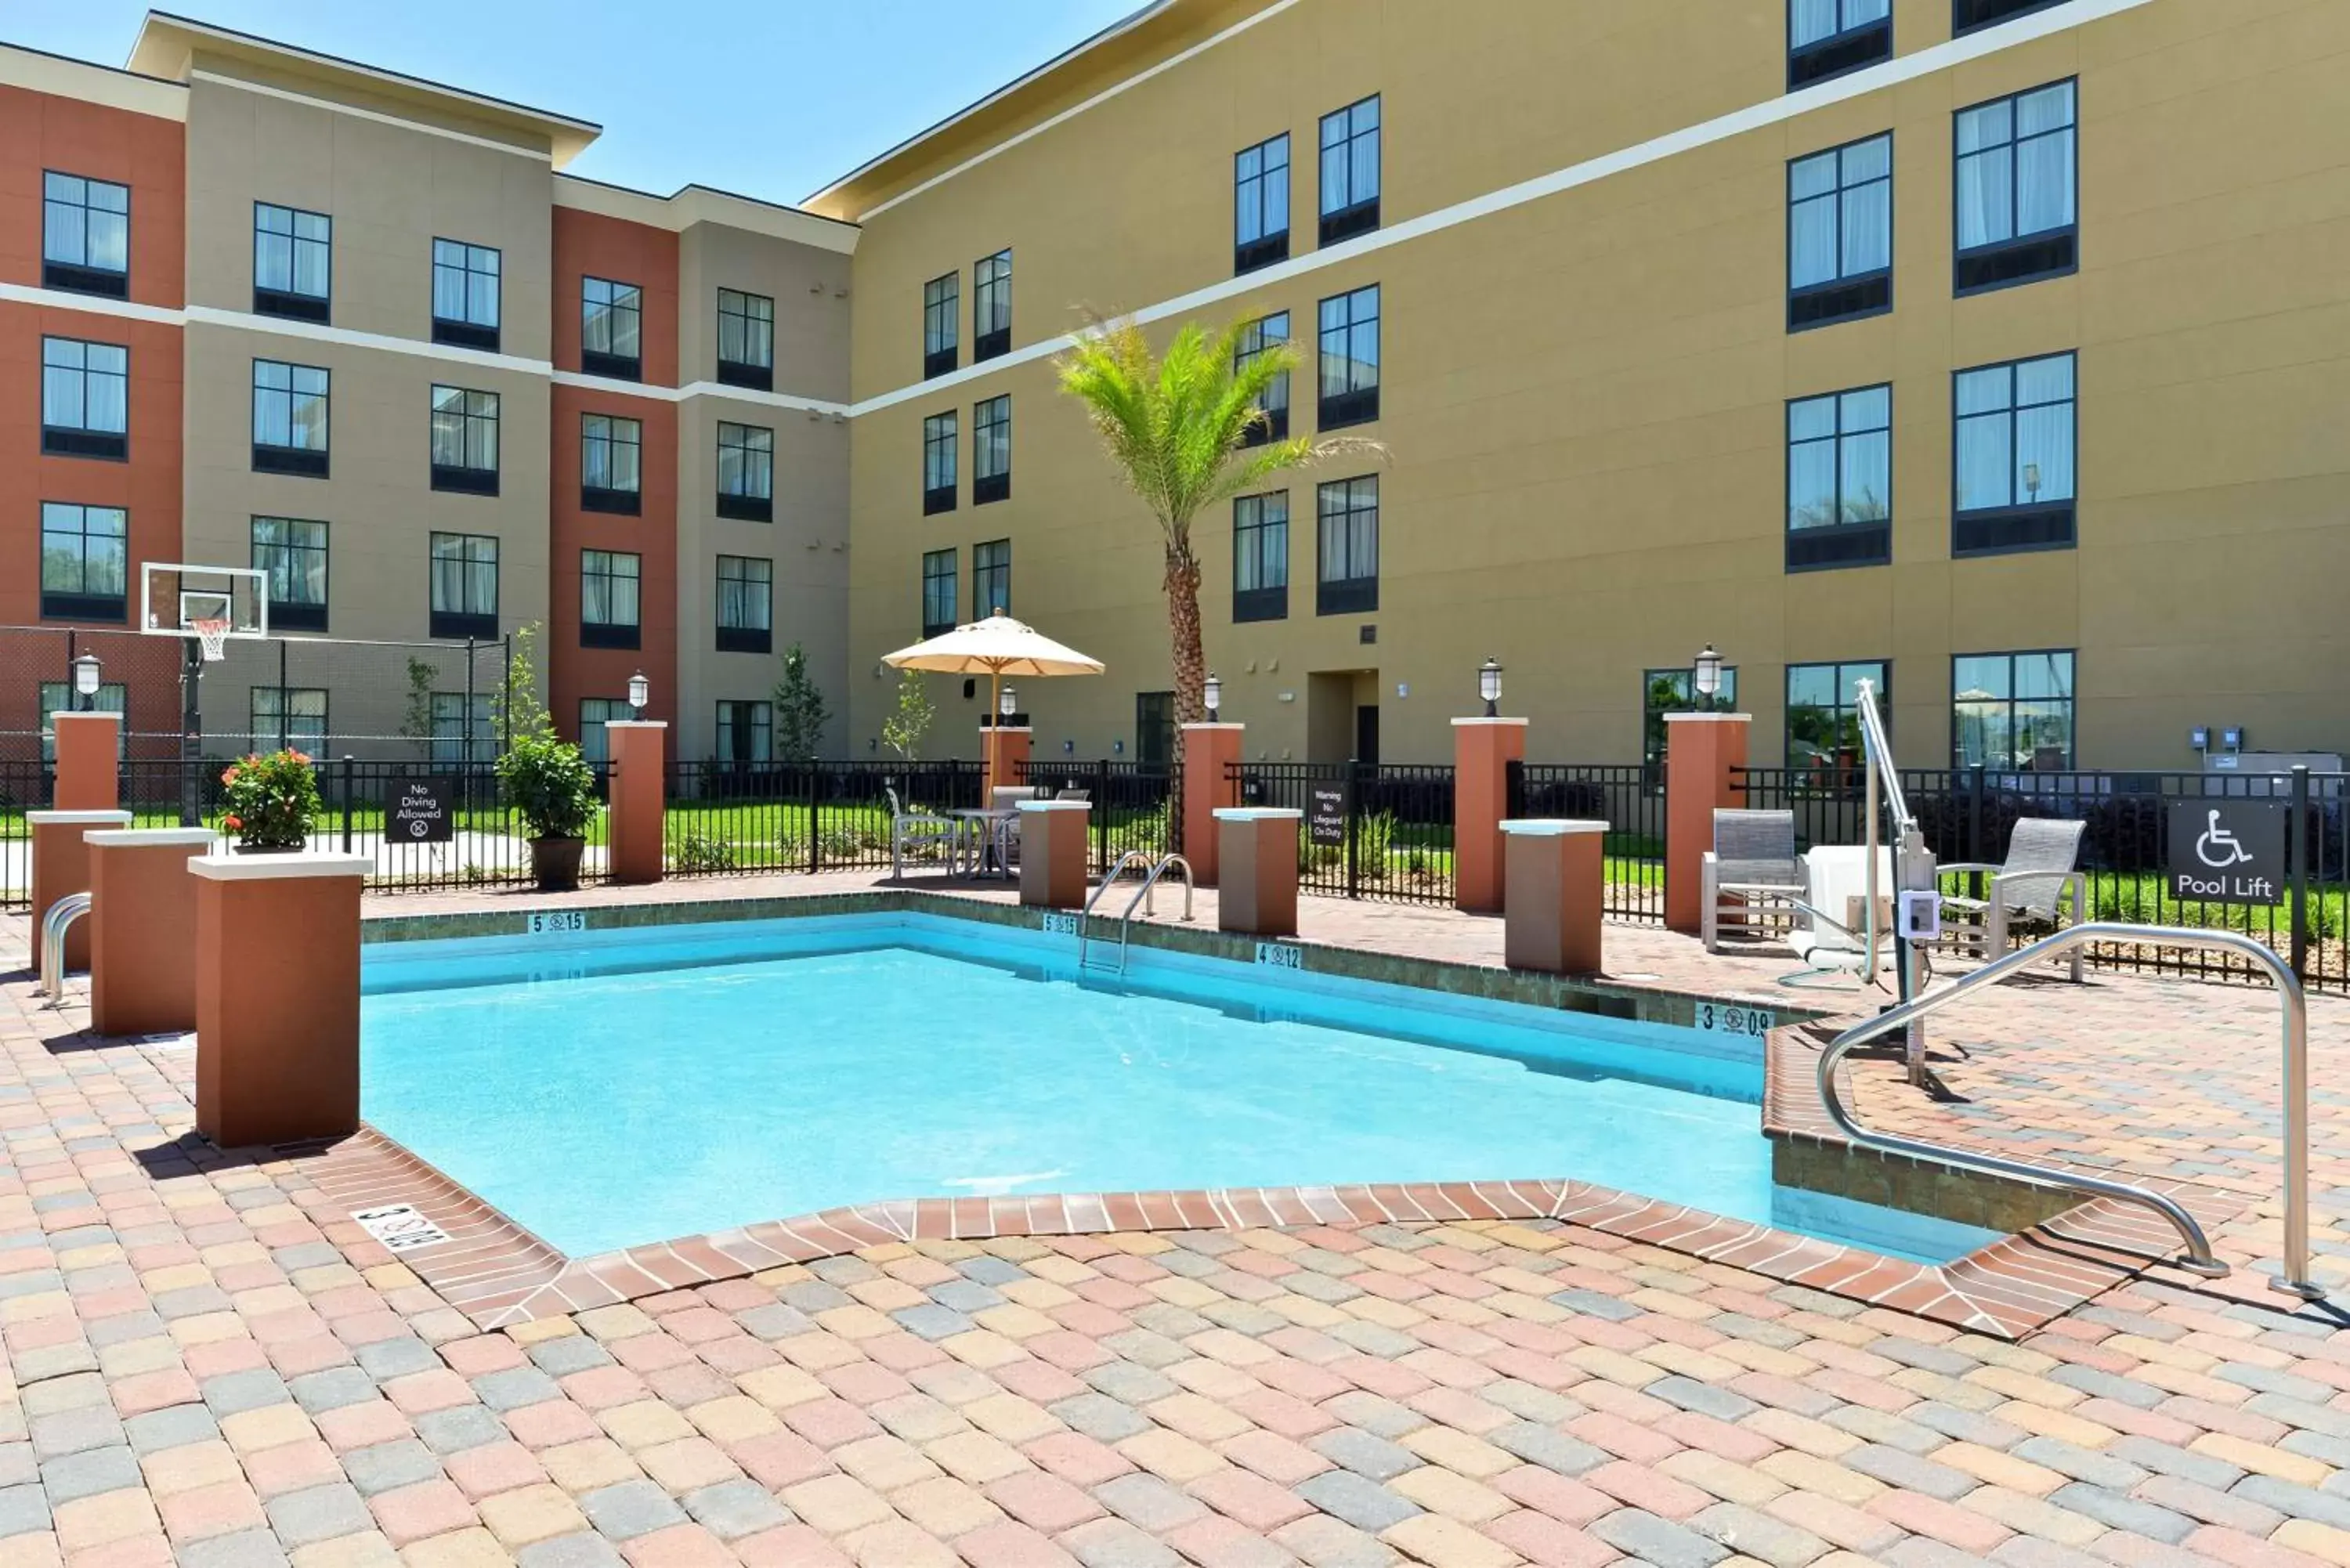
pixel 1919 916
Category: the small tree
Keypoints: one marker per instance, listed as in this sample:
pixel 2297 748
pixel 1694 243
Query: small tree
pixel 515 709
pixel 416 721
pixel 903 730
pixel 800 713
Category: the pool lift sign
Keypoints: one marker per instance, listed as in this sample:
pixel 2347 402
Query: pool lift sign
pixel 2227 851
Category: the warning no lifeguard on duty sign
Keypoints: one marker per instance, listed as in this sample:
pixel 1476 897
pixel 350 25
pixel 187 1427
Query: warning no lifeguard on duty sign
pixel 2227 851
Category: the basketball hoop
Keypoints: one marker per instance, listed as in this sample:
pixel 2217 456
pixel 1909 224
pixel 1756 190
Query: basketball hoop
pixel 212 634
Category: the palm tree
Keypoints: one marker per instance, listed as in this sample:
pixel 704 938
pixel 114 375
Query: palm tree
pixel 1177 426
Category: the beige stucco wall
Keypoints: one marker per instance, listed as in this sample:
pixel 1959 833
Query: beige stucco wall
pixel 1584 396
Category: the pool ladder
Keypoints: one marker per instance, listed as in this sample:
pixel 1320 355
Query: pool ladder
pixel 1152 871
pixel 54 923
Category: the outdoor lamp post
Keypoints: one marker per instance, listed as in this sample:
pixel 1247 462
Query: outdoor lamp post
pixel 86 679
pixel 1489 687
pixel 1214 695
pixel 641 692
pixel 1706 675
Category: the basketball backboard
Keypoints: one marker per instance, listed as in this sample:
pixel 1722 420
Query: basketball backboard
pixel 184 599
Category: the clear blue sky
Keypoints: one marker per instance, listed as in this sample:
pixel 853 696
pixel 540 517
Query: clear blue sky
pixel 770 97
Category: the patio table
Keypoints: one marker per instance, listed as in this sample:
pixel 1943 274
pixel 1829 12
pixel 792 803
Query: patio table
pixel 981 833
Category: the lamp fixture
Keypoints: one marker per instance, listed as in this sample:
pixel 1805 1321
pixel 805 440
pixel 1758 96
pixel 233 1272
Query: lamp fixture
pixel 1706 674
pixel 1212 694
pixel 641 693
pixel 1489 687
pixel 87 678
pixel 1007 702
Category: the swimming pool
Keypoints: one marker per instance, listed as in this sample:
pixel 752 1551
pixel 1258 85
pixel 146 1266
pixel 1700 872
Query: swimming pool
pixel 612 1088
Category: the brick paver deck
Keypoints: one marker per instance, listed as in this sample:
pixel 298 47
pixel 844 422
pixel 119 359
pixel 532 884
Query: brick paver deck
pixel 207 1364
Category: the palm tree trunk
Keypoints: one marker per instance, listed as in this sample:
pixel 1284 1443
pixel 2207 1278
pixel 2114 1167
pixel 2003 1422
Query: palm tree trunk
pixel 1189 663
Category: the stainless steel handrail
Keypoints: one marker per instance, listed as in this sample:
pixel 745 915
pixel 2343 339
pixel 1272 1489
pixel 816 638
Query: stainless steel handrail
pixel 1142 897
pixel 2198 1259
pixel 1150 905
pixel 54 923
pixel 1108 879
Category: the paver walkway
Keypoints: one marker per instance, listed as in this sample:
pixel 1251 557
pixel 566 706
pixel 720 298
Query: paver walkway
pixel 205 1365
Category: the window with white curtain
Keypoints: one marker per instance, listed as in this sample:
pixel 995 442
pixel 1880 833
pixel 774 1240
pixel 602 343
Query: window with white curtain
pixel 2016 189
pixel 1350 358
pixel 84 235
pixel 1264 334
pixel 746 604
pixel 938 592
pixel 1261 204
pixel 611 465
pixel 289 418
pixel 612 328
pixel 1261 556
pixel 939 438
pixel 464 585
pixel 85 399
pixel 990 307
pixel 941 323
pixel 608 598
pixel 1840 234
pixel 293 551
pixel 465 440
pixel 2012 458
pixel 1840 479
pixel 746 340
pixel 991 450
pixel 465 283
pixel 293 262
pixel 1828 37
pixel 1350 170
pixel 1346 570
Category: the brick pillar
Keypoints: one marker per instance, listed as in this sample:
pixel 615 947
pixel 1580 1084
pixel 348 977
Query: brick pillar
pixel 142 928
pixel 1482 751
pixel 1005 748
pixel 1053 852
pixel 1209 751
pixel 1258 896
pixel 632 820
pixel 61 866
pixel 277 996
pixel 90 753
pixel 1554 895
pixel 1702 752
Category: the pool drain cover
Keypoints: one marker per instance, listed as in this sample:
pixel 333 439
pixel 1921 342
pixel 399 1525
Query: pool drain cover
pixel 401 1227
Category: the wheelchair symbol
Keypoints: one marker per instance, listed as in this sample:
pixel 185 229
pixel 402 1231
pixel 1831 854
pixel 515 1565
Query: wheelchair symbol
pixel 2219 848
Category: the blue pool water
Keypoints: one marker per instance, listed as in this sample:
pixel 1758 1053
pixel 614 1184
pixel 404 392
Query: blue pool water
pixel 614 1088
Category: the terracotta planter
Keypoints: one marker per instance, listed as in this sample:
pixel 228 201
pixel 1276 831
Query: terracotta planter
pixel 555 863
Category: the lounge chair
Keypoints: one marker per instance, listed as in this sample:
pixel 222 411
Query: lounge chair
pixel 916 830
pixel 1752 865
pixel 2028 888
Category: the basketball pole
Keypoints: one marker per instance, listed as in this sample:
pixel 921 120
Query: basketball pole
pixel 192 730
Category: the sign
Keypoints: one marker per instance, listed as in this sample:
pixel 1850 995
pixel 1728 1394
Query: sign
pixel 1326 813
pixel 2227 851
pixel 1279 955
pixel 1731 1019
pixel 399 1227
pixel 1060 923
pixel 422 814
pixel 557 923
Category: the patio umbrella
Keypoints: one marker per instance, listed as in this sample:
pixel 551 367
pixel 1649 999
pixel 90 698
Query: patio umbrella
pixel 995 647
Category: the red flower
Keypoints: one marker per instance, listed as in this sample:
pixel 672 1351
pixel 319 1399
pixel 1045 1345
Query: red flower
pixel 229 777
pixel 302 757
pixel 234 823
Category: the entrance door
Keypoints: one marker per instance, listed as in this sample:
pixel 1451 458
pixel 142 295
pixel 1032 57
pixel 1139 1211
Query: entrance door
pixel 1367 732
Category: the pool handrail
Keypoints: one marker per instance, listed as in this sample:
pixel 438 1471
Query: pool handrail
pixel 2200 1259
pixel 54 922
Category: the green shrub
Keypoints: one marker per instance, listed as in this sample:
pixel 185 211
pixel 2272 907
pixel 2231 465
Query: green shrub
pixel 269 801
pixel 702 852
pixel 550 784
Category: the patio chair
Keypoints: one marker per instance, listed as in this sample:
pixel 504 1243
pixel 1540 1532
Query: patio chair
pixel 1752 867
pixel 916 830
pixel 1005 831
pixel 2027 888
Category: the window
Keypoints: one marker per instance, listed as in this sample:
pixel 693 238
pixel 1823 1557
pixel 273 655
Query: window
pixel 2012 711
pixel 85 236
pixel 2016 189
pixel 1840 479
pixel 594 712
pixel 1154 727
pixel 746 731
pixel 283 716
pixel 464 295
pixel 747 472
pixel 85 399
pixel 747 341
pixel 990 307
pixel 1261 204
pixel 465 440
pixel 1261 556
pixel 941 323
pixel 991 578
pixel 2012 471
pixel 1840 234
pixel 1350 170
pixel 610 454
pixel 1664 691
pixel 1350 359
pixel 85 561
pixel 1828 37
pixel 611 329
pixel 60 697
pixel 939 593
pixel 939 438
pixel 292 262
pixel 1824 741
pixel 608 599
pixel 990 450
pixel 745 604
pixel 1966 15
pixel 1266 332
pixel 293 551
pixel 465 586
pixel 289 420
pixel 462 733
pixel 1347 576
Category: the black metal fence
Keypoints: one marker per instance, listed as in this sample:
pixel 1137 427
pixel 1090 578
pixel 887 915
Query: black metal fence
pixel 1371 830
pixel 1630 799
pixel 1968 815
pixel 1132 804
pixel 728 817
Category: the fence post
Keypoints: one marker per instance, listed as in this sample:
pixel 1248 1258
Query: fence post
pixel 815 830
pixel 1975 832
pixel 1353 827
pixel 1100 797
pixel 1513 791
pixel 2301 842
pixel 348 765
pixel 284 724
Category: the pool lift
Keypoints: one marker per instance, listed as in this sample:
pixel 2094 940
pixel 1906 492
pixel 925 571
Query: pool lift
pixel 1143 899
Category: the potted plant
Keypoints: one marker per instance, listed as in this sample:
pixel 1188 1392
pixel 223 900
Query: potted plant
pixel 554 789
pixel 269 802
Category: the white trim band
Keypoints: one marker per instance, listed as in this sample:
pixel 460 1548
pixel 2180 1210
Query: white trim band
pixel 265 867
pixel 1549 826
pixel 77 818
pixel 148 837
